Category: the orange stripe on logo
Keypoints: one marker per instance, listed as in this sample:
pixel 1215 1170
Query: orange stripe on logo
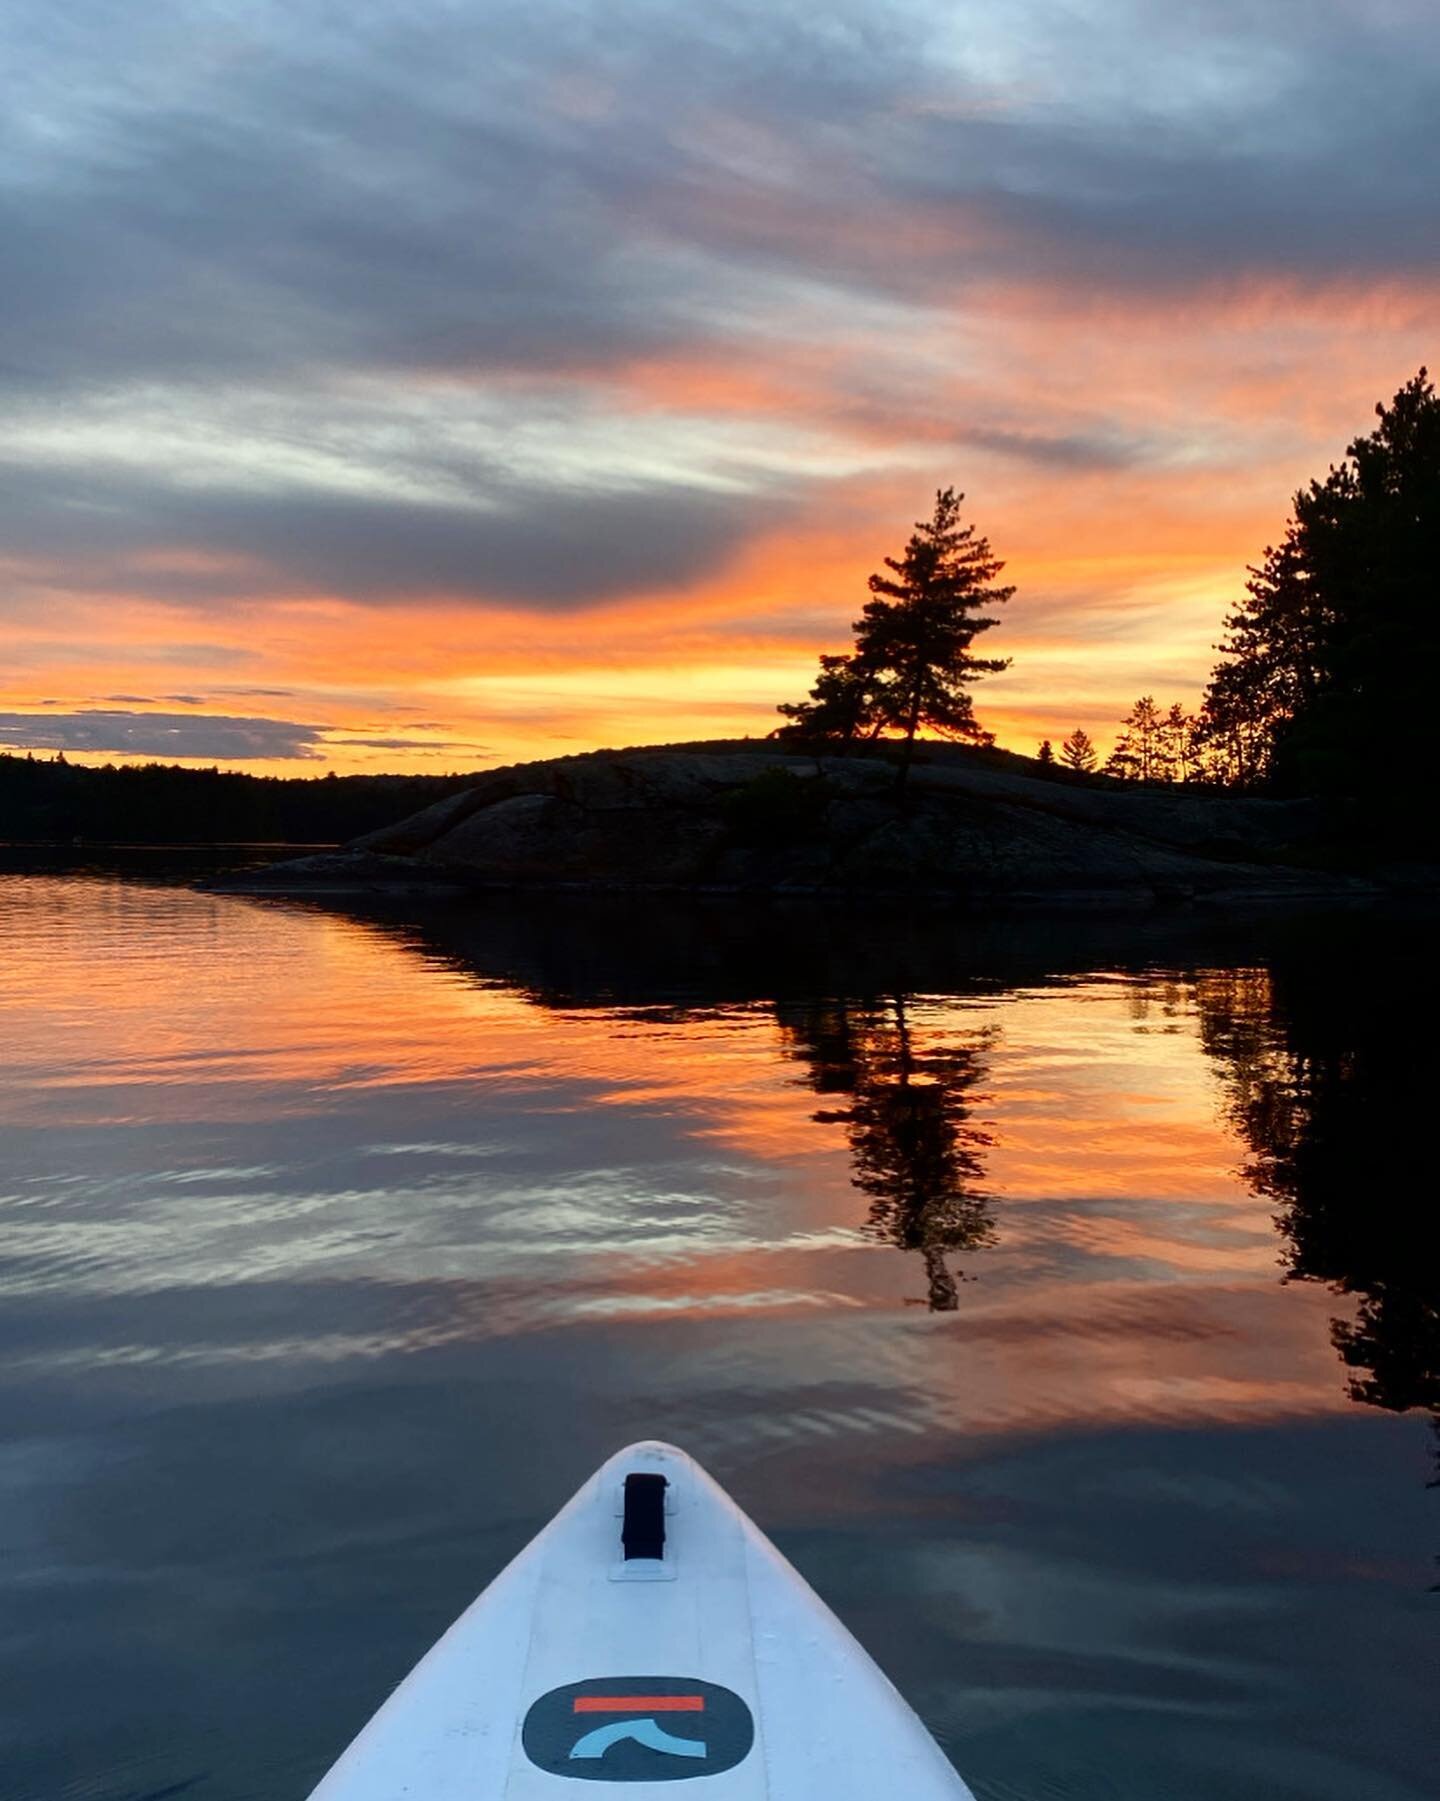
pixel 639 1704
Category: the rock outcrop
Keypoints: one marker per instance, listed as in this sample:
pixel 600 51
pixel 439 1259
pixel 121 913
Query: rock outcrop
pixel 767 820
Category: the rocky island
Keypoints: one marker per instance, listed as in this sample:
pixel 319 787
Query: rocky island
pixel 971 828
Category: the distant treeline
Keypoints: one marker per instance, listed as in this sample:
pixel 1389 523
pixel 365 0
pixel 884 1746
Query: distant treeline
pixel 155 803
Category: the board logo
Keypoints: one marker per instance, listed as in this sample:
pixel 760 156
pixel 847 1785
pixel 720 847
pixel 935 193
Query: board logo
pixel 638 1729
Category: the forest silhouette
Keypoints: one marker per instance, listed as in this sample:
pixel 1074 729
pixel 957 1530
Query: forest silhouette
pixel 51 800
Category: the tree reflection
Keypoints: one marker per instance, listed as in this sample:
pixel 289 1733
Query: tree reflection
pixel 1328 1075
pixel 914 1151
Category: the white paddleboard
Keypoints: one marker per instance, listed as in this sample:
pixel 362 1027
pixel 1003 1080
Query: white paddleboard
pixel 650 1634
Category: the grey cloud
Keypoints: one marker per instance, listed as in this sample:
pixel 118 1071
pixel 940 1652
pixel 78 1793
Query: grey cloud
pixel 382 190
pixel 1187 147
pixel 535 546
pixel 1074 450
pixel 215 737
pixel 345 203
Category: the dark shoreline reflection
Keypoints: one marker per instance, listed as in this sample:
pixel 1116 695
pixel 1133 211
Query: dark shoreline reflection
pixel 1327 1071
pixel 660 952
pixel 1329 1077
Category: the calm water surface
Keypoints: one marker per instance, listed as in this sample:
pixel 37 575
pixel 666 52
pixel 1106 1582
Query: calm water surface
pixel 1063 1303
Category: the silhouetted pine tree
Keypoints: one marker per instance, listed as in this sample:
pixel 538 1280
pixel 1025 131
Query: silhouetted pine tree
pixel 1177 750
pixel 916 629
pixel 841 705
pixel 1327 670
pixel 912 663
pixel 1137 752
pixel 1122 762
pixel 1046 753
pixel 1078 751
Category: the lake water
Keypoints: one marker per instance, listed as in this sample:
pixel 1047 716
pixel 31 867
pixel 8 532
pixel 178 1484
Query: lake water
pixel 1061 1299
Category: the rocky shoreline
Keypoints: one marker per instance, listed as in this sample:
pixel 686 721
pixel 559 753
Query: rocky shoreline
pixel 762 820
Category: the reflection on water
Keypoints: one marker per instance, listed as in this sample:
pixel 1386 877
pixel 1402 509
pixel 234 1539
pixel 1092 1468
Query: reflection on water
pixel 912 1148
pixel 335 1247
pixel 1328 1084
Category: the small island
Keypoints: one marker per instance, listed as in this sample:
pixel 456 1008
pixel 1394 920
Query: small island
pixel 1304 774
pixel 970 826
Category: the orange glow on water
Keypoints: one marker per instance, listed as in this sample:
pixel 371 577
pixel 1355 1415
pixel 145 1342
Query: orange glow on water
pixel 1126 1274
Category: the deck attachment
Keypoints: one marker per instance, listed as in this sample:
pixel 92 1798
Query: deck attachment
pixel 643 1533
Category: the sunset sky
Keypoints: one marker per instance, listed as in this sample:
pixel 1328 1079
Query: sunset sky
pixel 426 387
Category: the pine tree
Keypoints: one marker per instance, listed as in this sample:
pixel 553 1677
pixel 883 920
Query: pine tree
pixel 1136 756
pixel 841 706
pixel 1234 729
pixel 1078 751
pixel 1327 668
pixel 1177 750
pixel 1123 763
pixel 1046 753
pixel 916 630
pixel 912 663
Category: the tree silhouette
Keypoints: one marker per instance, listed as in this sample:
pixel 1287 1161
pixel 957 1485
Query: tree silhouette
pixel 1046 753
pixel 1155 746
pixel 50 798
pixel 1326 671
pixel 1235 728
pixel 841 706
pixel 912 664
pixel 1177 748
pixel 1078 751
pixel 913 1150
pixel 1134 755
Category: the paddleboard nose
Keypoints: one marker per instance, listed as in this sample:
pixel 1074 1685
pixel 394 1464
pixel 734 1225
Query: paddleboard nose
pixel 650 1633
pixel 648 1453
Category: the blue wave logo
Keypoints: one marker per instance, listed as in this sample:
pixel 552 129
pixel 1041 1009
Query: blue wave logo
pixel 638 1729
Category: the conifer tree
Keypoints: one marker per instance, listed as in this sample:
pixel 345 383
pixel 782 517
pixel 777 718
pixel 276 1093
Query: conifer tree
pixel 841 706
pixel 1122 762
pixel 916 630
pixel 1136 754
pixel 1078 751
pixel 1046 753
pixel 1326 673
pixel 912 665
pixel 1177 752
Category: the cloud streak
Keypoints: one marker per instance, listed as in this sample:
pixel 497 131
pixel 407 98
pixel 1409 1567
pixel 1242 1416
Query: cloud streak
pixel 212 737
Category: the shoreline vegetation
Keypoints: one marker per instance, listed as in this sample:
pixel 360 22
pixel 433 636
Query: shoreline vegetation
pixel 1305 771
